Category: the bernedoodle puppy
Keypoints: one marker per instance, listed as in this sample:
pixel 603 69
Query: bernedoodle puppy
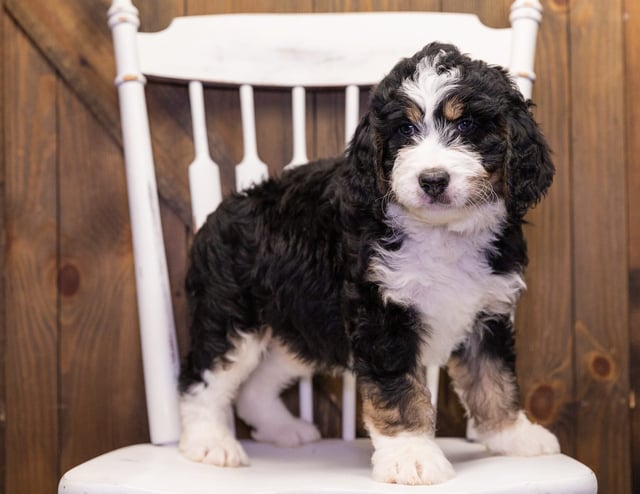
pixel 404 252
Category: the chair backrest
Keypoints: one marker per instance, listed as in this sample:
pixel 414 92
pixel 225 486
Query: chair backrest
pixel 274 50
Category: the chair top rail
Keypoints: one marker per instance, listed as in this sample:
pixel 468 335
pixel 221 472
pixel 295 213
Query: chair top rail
pixel 309 50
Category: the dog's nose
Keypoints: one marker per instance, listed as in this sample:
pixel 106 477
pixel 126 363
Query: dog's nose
pixel 434 181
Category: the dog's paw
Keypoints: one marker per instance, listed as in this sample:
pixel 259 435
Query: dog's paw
pixel 522 438
pixel 223 451
pixel 288 435
pixel 410 460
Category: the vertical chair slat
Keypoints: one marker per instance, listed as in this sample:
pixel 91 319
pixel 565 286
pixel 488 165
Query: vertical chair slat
pixel 351 111
pixel 433 382
pixel 299 130
pixel 250 170
pixel 306 399
pixel 348 406
pixel 204 174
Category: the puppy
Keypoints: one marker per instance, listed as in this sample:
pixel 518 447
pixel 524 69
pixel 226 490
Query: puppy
pixel 406 251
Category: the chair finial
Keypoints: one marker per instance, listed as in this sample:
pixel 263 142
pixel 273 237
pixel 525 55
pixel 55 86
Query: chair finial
pixel 531 9
pixel 122 11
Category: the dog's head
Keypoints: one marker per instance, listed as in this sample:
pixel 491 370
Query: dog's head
pixel 450 136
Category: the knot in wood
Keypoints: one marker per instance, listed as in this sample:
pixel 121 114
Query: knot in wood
pixel 68 280
pixel 561 6
pixel 601 367
pixel 542 403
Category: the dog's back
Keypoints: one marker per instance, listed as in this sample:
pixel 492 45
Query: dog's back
pixel 271 256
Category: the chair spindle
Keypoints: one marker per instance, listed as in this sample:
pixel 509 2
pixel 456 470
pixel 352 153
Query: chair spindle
pixel 351 111
pixel 299 130
pixel 251 170
pixel 204 173
pixel 306 398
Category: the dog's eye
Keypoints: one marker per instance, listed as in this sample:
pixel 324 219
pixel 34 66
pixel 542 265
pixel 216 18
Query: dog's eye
pixel 466 125
pixel 407 130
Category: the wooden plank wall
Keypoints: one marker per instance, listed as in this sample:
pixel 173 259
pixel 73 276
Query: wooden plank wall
pixel 632 90
pixel 70 370
pixel 600 288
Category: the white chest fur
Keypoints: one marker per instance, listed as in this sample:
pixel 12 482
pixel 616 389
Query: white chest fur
pixel 445 275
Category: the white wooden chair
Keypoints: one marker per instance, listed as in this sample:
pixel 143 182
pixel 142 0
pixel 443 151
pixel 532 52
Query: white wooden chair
pixel 214 49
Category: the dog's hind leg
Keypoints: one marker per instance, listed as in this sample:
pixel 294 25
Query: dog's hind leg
pixel 483 374
pixel 259 402
pixel 206 406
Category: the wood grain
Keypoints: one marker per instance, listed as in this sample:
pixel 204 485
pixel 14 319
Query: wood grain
pixel 101 387
pixel 600 241
pixel 377 6
pixel 576 379
pixel 74 37
pixel 3 336
pixel 30 211
pixel 492 13
pixel 545 316
pixel 632 87
pixel 195 7
pixel 177 238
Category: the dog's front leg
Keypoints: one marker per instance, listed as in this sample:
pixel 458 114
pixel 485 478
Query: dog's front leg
pixel 483 374
pixel 400 419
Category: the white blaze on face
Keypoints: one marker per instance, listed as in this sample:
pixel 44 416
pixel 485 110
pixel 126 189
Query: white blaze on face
pixel 432 150
pixel 427 88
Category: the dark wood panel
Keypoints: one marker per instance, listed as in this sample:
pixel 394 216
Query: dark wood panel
pixel 600 241
pixel 195 7
pixel 177 237
pixel 74 37
pixel 31 261
pixel 376 5
pixel 632 87
pixel 545 316
pixel 101 388
pixel 156 15
pixel 225 129
pixel 494 13
pixel 328 123
pixel 3 345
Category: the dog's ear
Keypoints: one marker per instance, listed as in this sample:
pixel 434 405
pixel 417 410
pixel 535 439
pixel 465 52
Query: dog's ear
pixel 365 154
pixel 529 169
pixel 362 148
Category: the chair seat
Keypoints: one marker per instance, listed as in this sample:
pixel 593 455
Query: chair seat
pixel 328 466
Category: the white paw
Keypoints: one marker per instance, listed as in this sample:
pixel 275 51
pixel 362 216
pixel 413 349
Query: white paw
pixel 522 438
pixel 223 451
pixel 410 460
pixel 288 435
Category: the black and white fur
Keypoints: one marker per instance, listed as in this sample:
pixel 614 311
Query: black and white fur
pixel 406 251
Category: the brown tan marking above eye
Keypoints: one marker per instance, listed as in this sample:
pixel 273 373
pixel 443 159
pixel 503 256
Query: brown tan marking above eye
pixel 414 113
pixel 453 108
